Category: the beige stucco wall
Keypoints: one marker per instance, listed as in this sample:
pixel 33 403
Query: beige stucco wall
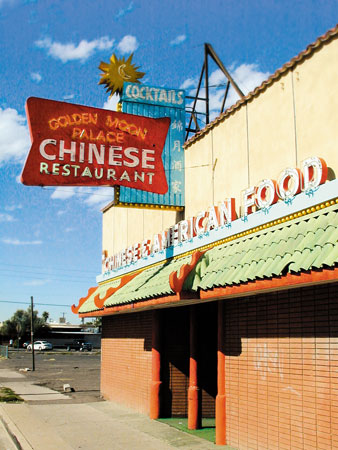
pixel 271 133
pixel 127 226
pixel 294 118
pixel 230 150
pixel 198 176
pixel 316 105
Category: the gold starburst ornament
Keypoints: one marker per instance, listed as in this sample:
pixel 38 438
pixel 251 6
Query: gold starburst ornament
pixel 117 72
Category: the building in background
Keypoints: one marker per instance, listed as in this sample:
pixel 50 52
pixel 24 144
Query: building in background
pixel 239 318
pixel 61 333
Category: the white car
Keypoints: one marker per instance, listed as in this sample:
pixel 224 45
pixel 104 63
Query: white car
pixel 40 345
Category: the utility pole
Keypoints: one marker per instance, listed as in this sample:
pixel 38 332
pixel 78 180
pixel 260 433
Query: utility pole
pixel 32 336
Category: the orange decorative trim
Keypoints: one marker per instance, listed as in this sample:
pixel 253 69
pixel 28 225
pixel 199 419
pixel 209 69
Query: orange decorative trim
pixel 176 281
pixel 109 310
pixel 220 405
pixel 99 302
pixel 257 286
pixel 156 382
pixel 75 309
pixel 289 280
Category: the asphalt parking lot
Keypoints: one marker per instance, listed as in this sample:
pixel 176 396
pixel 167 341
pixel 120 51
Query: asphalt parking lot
pixel 53 369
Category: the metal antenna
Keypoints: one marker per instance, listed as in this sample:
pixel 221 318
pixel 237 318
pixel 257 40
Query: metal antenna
pixel 209 52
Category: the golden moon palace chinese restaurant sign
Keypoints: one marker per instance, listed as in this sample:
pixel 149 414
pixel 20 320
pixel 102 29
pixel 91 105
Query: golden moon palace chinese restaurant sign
pixel 82 146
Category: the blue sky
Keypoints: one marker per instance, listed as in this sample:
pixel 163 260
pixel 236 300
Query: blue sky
pixel 50 239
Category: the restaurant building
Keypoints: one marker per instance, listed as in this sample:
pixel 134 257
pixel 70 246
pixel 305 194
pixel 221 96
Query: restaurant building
pixel 232 312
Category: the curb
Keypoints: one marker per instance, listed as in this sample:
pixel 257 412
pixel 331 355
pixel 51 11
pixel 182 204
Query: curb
pixel 13 432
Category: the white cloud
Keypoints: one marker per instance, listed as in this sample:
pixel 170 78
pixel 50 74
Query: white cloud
pixel 14 136
pixel 35 76
pixel 128 44
pixel 217 77
pixel 112 102
pixel 6 218
pixel 63 192
pixel 247 77
pixel 90 196
pixel 189 82
pixel 18 242
pixel 68 97
pixel 13 207
pixel 123 11
pixel 69 52
pixel 100 197
pixel 178 40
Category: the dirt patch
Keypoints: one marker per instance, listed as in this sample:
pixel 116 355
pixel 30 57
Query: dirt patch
pixel 54 369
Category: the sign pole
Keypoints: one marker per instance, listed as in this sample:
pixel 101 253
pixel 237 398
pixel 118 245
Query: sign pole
pixel 32 336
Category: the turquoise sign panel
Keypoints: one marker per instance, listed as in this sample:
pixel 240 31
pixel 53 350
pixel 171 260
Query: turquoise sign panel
pixel 158 102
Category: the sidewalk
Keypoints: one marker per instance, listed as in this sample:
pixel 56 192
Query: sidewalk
pixel 49 420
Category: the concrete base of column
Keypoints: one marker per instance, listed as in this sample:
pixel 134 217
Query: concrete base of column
pixel 194 419
pixel 220 420
pixel 155 388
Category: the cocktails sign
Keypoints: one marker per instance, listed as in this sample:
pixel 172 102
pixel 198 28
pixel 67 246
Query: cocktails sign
pixel 151 101
pixel 78 145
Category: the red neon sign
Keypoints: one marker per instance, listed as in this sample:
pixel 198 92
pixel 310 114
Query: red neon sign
pixel 78 145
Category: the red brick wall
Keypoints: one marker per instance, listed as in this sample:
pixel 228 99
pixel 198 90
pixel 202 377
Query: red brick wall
pixel 282 370
pixel 126 359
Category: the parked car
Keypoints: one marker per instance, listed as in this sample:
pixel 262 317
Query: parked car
pixel 26 344
pixel 40 345
pixel 79 344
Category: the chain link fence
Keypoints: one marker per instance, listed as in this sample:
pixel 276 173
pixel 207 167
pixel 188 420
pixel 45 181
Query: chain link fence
pixel 4 351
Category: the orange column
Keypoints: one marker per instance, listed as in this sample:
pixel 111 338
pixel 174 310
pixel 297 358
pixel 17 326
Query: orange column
pixel 220 398
pixel 194 412
pixel 156 367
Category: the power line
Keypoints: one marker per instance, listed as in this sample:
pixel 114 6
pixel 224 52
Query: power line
pixel 47 274
pixel 35 303
pixel 46 188
pixel 43 267
pixel 50 279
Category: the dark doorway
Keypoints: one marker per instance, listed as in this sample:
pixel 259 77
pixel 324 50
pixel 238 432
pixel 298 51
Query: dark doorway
pixel 175 360
pixel 207 355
